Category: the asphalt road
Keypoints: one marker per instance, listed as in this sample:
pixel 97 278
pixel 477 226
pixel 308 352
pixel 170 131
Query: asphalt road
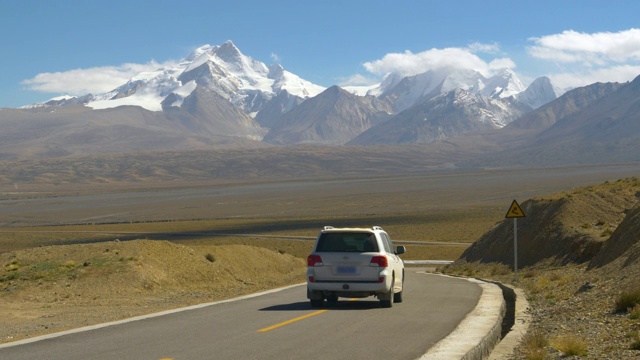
pixel 277 325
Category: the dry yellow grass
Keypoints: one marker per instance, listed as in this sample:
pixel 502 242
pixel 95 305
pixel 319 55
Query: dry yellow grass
pixel 569 345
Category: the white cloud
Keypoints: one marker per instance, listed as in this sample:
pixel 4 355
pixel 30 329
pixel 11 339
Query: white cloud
pixel 583 59
pixel 275 58
pixel 359 80
pixel 84 81
pixel 595 49
pixel 501 63
pixel 408 63
pixel 486 48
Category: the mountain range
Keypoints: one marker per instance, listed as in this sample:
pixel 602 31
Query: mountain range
pixel 217 97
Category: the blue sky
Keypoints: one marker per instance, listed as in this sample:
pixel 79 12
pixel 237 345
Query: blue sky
pixel 52 48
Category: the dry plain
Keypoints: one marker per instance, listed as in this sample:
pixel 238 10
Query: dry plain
pixel 439 206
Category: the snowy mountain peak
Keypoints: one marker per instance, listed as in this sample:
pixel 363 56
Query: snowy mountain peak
pixel 406 91
pixel 465 79
pixel 294 85
pixel 205 49
pixel 228 52
pixel 243 66
pixel 538 93
pixel 403 92
pixel 223 69
pixel 503 84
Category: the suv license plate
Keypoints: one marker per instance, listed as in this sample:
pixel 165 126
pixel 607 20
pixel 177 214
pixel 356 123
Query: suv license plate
pixel 346 270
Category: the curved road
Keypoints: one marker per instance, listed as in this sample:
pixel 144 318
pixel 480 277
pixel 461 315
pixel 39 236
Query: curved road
pixel 278 325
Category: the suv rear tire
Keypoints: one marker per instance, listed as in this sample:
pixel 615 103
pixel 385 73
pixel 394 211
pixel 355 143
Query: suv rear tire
pixel 387 300
pixel 397 297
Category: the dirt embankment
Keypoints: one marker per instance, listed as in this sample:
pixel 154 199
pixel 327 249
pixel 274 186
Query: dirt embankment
pixel 569 227
pixel 53 288
pixel 623 245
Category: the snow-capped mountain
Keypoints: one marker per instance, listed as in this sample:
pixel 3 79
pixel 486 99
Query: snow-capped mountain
pixel 403 92
pixel 245 82
pixel 452 114
pixel 502 85
pixel 540 92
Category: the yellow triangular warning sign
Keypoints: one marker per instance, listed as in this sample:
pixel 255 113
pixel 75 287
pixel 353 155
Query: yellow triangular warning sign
pixel 514 211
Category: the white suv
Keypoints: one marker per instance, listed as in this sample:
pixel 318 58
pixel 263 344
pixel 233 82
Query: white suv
pixel 354 263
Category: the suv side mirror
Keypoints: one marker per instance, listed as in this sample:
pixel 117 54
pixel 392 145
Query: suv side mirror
pixel 400 250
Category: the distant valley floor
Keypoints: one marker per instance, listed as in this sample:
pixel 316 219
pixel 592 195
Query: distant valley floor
pixel 370 196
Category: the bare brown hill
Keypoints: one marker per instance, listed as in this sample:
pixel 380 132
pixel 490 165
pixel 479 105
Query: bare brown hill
pixel 332 118
pixel 72 131
pixel 569 227
pixel 567 104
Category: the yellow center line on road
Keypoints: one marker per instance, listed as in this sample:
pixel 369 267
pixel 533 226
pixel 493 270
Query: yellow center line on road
pixel 291 321
pixel 272 327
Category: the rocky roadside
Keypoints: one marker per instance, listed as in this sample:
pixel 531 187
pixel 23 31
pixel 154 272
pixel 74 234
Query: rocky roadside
pixel 572 309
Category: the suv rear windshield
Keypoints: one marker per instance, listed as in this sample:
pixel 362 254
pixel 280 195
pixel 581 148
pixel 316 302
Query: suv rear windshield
pixel 347 242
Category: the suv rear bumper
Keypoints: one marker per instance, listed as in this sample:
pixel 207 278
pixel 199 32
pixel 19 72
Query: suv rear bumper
pixel 346 288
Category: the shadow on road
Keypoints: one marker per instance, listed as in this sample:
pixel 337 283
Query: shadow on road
pixel 346 304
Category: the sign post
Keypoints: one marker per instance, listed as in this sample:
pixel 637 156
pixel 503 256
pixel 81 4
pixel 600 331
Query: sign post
pixel 514 213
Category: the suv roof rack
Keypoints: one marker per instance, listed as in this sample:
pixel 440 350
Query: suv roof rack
pixel 376 228
pixel 328 227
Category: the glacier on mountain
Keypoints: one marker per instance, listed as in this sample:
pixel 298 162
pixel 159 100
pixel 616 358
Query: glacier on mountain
pixel 246 82
pixel 403 92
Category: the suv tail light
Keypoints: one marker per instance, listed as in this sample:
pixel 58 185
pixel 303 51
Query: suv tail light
pixel 314 260
pixel 380 261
